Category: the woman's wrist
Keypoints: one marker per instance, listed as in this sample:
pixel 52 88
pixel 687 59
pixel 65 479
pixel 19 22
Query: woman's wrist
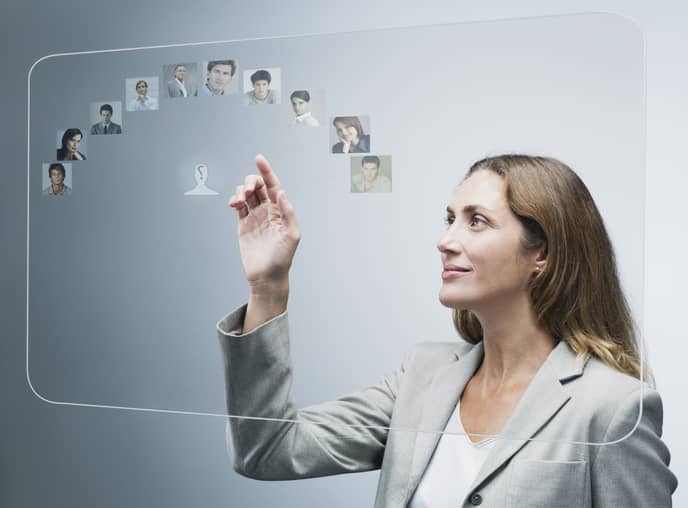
pixel 266 300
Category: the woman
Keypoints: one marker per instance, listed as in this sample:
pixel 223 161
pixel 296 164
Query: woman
pixel 71 139
pixel 143 101
pixel 530 276
pixel 352 139
pixel 301 104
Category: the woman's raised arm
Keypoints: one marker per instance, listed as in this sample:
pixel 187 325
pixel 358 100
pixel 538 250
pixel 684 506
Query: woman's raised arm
pixel 268 236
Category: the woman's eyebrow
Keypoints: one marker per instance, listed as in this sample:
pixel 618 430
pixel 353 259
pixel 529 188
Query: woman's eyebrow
pixel 469 209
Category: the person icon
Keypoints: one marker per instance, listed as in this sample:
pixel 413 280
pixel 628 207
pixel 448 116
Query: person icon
pixel 201 176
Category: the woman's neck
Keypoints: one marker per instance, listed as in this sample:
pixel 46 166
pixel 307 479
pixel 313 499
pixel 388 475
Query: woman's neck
pixel 515 346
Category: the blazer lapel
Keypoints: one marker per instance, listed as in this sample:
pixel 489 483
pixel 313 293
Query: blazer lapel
pixel 542 399
pixel 440 402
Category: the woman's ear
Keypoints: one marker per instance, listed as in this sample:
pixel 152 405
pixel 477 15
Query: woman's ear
pixel 540 260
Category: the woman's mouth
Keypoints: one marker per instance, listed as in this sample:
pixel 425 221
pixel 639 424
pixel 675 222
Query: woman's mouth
pixel 453 272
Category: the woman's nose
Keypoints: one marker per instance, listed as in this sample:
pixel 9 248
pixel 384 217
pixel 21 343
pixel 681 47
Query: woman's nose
pixel 448 242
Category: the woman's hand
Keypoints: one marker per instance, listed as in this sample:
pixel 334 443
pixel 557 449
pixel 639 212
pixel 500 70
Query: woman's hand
pixel 268 237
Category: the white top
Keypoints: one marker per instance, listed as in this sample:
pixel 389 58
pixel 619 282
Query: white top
pixel 182 88
pixel 452 468
pixel 306 119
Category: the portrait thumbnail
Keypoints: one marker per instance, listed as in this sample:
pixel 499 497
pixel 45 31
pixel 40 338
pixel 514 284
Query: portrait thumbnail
pixel 105 118
pixel 219 77
pixel 142 94
pixel 181 79
pixel 71 145
pixel 262 86
pixel 350 134
pixel 371 173
pixel 307 108
pixel 57 178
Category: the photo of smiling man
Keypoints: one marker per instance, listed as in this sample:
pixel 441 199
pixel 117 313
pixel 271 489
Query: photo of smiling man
pixel 142 94
pixel 371 173
pixel 219 74
pixel 181 79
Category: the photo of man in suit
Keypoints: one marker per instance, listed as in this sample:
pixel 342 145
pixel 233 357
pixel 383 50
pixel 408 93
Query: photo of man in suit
pixel 179 85
pixel 106 125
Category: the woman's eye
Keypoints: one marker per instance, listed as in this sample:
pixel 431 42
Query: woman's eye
pixel 477 220
pixel 449 221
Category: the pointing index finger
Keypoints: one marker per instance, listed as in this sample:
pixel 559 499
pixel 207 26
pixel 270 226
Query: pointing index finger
pixel 271 181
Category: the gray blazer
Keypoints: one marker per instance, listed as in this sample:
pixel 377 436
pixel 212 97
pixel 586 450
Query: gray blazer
pixel 113 128
pixel 567 401
pixel 174 90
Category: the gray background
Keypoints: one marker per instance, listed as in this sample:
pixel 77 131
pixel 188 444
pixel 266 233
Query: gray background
pixel 57 456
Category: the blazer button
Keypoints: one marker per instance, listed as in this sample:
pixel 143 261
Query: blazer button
pixel 476 499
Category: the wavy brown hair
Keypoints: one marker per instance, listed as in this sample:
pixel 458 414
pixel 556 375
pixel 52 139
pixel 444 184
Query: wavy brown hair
pixel 577 296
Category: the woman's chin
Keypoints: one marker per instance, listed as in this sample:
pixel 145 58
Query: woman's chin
pixel 452 301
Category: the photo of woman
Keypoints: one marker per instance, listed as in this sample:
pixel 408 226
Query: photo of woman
pixel 352 139
pixel 71 139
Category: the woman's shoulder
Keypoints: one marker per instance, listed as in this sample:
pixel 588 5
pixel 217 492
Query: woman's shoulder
pixel 610 383
pixel 603 394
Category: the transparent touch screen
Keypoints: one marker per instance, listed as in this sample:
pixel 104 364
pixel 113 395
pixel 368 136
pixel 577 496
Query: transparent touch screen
pixel 133 251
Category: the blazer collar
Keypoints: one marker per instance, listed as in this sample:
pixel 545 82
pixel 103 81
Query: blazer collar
pixel 544 396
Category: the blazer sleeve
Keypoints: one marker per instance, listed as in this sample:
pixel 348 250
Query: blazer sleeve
pixel 341 436
pixel 634 471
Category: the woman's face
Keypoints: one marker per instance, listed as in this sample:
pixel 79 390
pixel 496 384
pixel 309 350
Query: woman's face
pixel 73 143
pixel 483 261
pixel 346 133
pixel 300 106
